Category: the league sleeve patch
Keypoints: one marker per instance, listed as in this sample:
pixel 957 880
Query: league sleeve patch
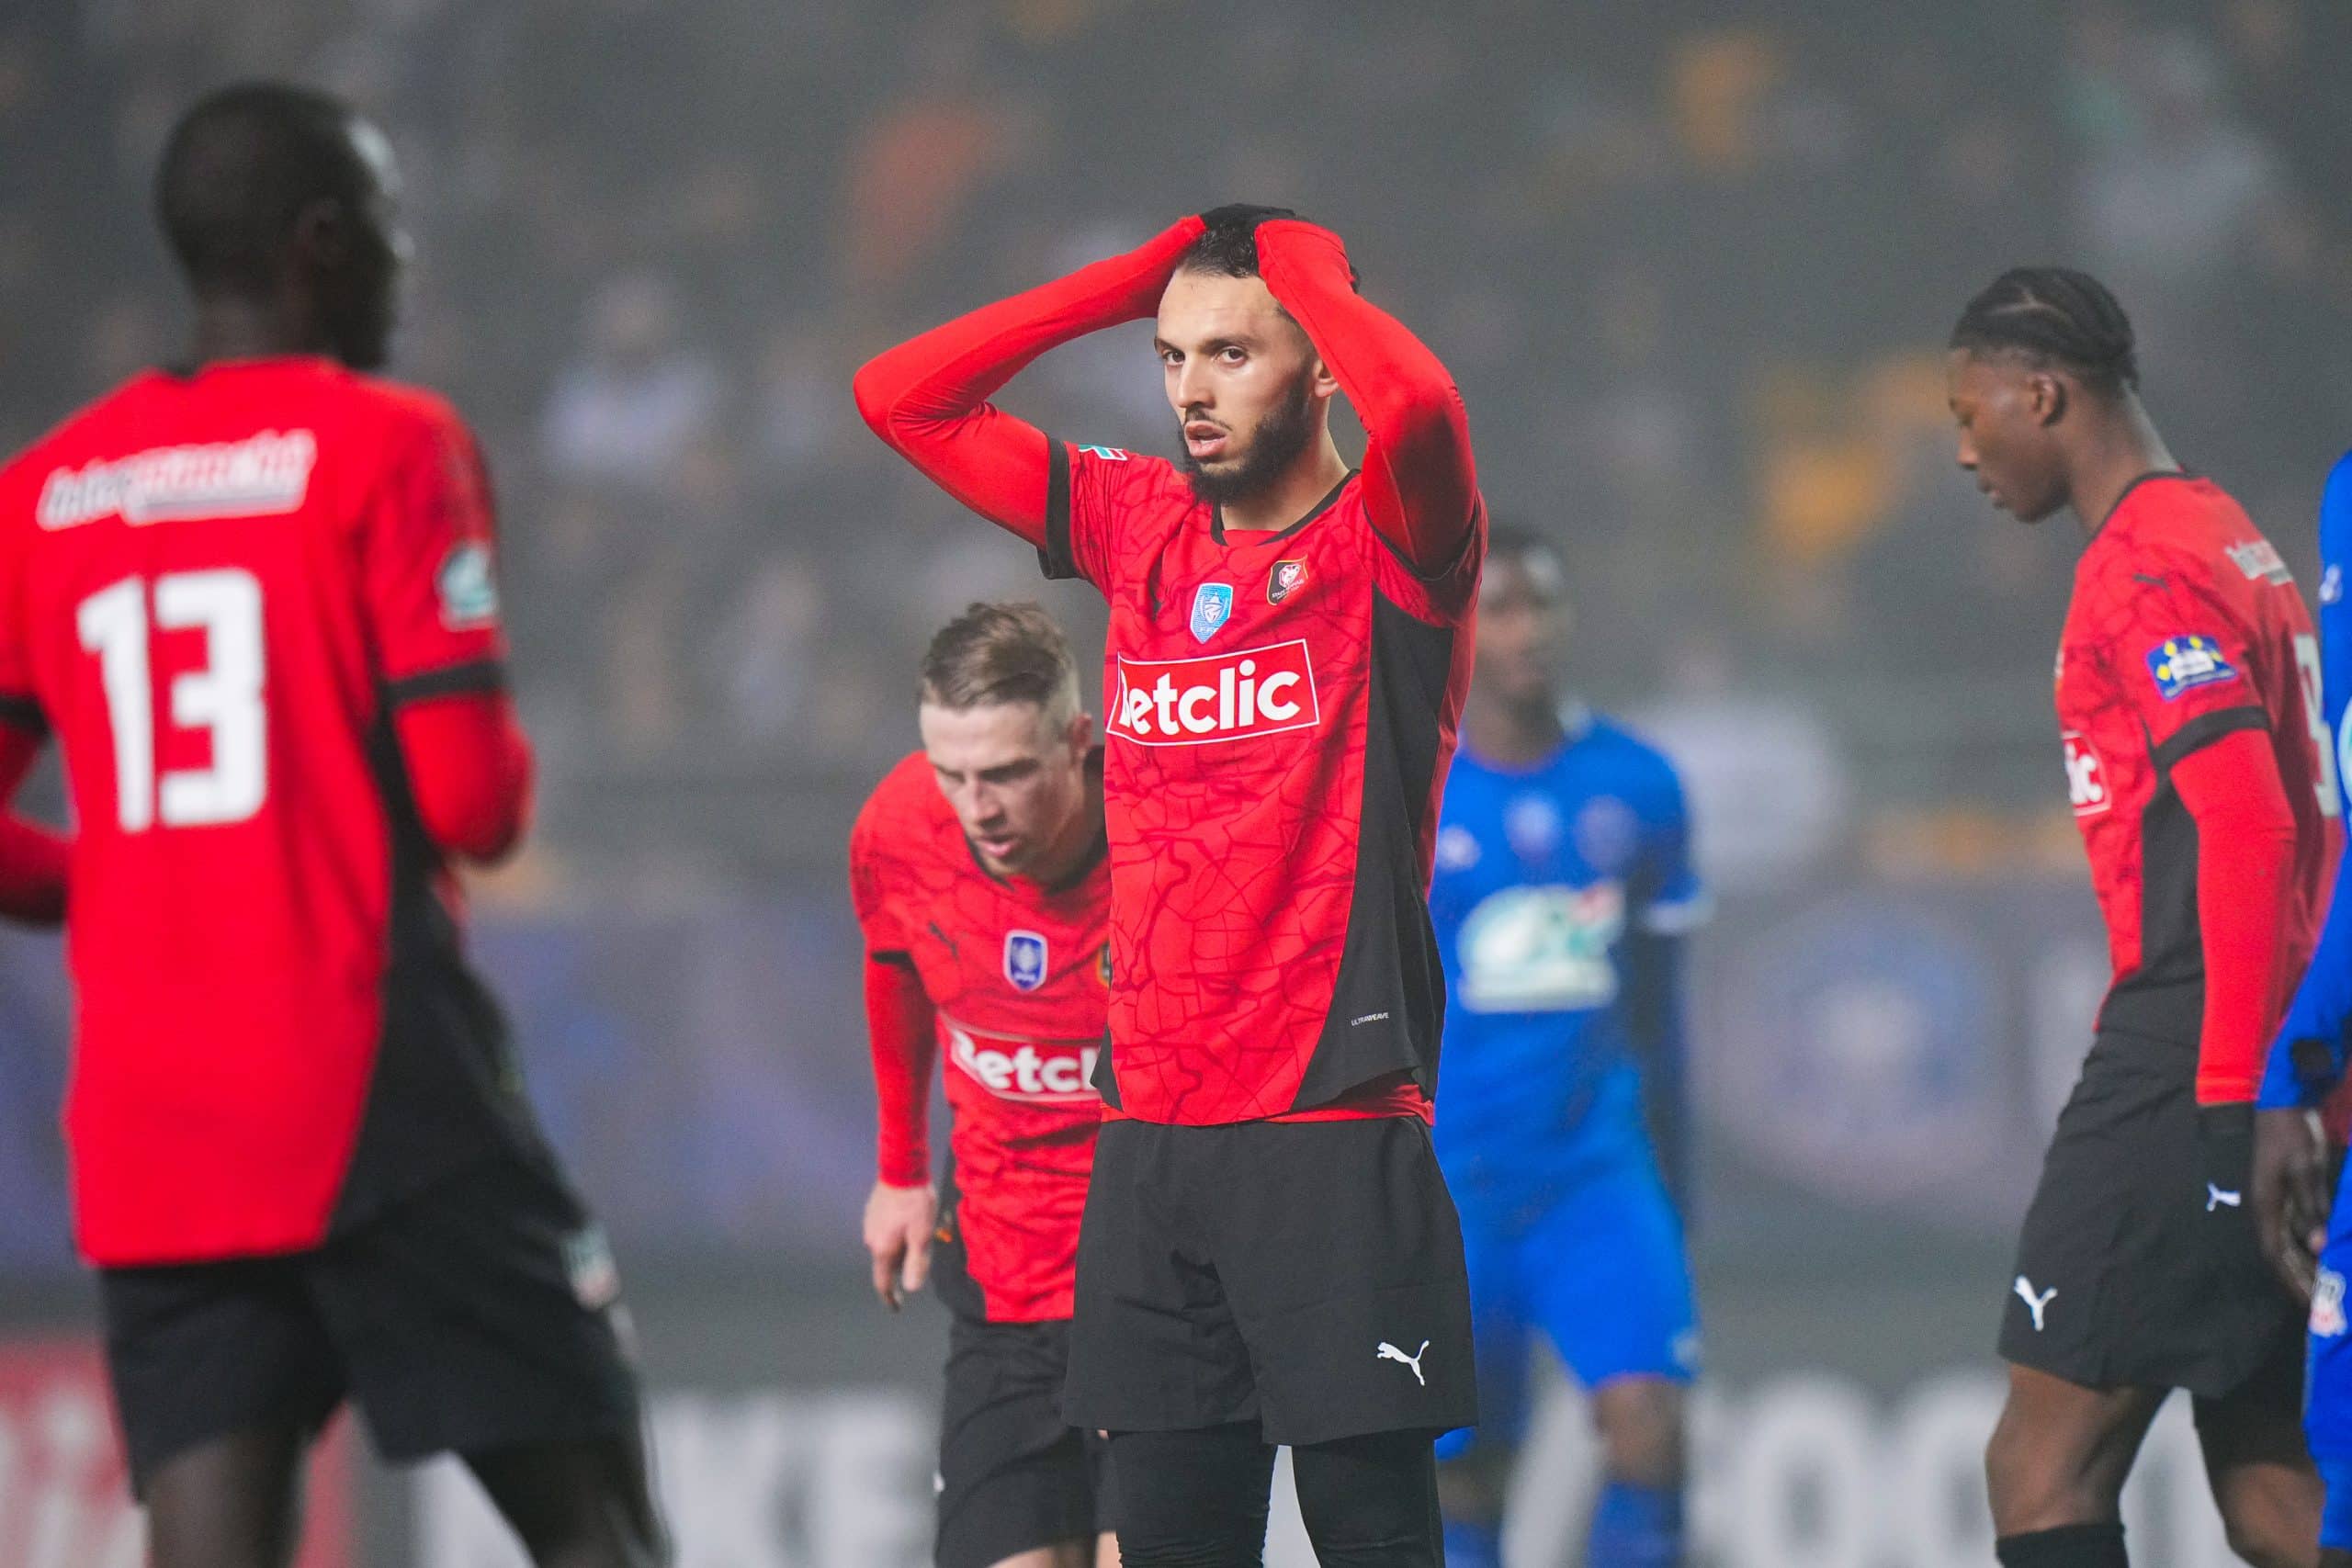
pixel 468 590
pixel 1108 454
pixel 2184 663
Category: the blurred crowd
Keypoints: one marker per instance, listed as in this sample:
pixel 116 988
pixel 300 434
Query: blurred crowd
pixel 1692 266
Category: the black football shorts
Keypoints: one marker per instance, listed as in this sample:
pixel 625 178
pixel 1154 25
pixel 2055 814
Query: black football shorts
pixel 2131 1271
pixel 1303 1275
pixel 481 1314
pixel 1013 1475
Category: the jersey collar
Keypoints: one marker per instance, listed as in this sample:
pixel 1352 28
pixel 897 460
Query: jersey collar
pixel 1217 515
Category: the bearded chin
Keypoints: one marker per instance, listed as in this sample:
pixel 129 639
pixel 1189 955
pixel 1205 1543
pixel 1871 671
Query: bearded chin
pixel 1273 445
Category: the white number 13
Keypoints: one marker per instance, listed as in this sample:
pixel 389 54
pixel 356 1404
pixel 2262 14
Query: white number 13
pixel 224 697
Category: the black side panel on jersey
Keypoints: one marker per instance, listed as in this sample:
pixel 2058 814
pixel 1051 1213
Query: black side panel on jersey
pixel 446 1091
pixel 2165 997
pixel 1388 1000
pixel 1056 560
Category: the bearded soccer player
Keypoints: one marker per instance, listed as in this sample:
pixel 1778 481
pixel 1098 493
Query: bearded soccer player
pixel 1269 1254
pixel 252 595
pixel 1563 895
pixel 2304 1225
pixel 2197 762
pixel 979 873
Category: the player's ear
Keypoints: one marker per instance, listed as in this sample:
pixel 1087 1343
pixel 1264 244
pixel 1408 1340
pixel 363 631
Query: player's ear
pixel 1081 733
pixel 2047 396
pixel 1320 381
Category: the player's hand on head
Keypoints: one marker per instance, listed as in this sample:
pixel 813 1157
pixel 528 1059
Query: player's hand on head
pixel 2290 1194
pixel 899 1222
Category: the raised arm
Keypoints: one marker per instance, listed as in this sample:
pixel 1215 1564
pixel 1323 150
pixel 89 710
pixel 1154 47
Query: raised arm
pixel 928 397
pixel 1421 485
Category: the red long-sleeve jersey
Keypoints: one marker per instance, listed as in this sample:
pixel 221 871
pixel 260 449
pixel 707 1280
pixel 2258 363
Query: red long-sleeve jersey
pixel 2200 771
pixel 1281 708
pixel 1011 980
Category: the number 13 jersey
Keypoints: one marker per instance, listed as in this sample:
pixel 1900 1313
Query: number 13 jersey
pixel 2185 627
pixel 214 590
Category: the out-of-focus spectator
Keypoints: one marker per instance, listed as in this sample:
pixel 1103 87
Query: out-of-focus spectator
pixel 636 398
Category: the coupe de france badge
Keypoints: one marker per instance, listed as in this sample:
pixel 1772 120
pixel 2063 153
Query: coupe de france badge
pixel 2184 663
pixel 1285 579
pixel 1212 607
pixel 1024 960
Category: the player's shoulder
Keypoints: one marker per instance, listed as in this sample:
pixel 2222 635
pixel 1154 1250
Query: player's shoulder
pixel 395 411
pixel 87 432
pixel 2335 513
pixel 903 813
pixel 1128 479
pixel 1629 761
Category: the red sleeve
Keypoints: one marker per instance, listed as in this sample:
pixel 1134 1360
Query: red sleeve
pixel 470 769
pixel 928 397
pixel 2246 849
pixel 1420 483
pixel 903 1032
pixel 34 859
pixel 428 560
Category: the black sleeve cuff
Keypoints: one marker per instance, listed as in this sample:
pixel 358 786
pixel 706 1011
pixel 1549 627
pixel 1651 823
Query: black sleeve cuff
pixel 2206 729
pixel 1056 560
pixel 476 676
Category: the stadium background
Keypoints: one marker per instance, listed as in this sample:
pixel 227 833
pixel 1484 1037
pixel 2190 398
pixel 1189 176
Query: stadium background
pixel 1692 266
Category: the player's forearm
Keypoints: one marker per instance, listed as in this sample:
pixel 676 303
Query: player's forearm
pixel 928 397
pixel 2245 834
pixel 902 1029
pixel 469 769
pixel 1421 481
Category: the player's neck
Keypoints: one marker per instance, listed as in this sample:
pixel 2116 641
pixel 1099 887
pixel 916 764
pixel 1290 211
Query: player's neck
pixel 253 329
pixel 1512 735
pixel 2122 449
pixel 1292 494
pixel 1074 847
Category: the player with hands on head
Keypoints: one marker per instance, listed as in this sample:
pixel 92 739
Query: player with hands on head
pixel 1269 1254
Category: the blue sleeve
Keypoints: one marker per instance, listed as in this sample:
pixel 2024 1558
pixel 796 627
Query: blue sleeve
pixel 2307 1059
pixel 1674 904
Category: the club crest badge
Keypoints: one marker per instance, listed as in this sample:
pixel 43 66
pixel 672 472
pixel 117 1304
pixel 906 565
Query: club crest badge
pixel 1287 579
pixel 1024 960
pixel 1212 607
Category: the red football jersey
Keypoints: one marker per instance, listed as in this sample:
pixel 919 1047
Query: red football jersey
pixel 2185 627
pixel 213 588
pixel 1019 976
pixel 1280 710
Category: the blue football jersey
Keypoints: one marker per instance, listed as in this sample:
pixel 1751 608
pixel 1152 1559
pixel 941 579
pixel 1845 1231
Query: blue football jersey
pixel 1559 891
pixel 2323 1003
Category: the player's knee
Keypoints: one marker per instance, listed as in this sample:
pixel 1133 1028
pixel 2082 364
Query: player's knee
pixel 1641 1424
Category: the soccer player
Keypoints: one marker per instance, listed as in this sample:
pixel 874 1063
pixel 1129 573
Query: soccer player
pixel 1269 1254
pixel 2310 1246
pixel 253 597
pixel 979 873
pixel 1563 889
pixel 2197 764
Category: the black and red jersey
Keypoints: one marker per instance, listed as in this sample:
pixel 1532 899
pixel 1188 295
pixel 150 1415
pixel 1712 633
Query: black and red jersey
pixel 1017 978
pixel 2185 627
pixel 1278 716
pixel 215 589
